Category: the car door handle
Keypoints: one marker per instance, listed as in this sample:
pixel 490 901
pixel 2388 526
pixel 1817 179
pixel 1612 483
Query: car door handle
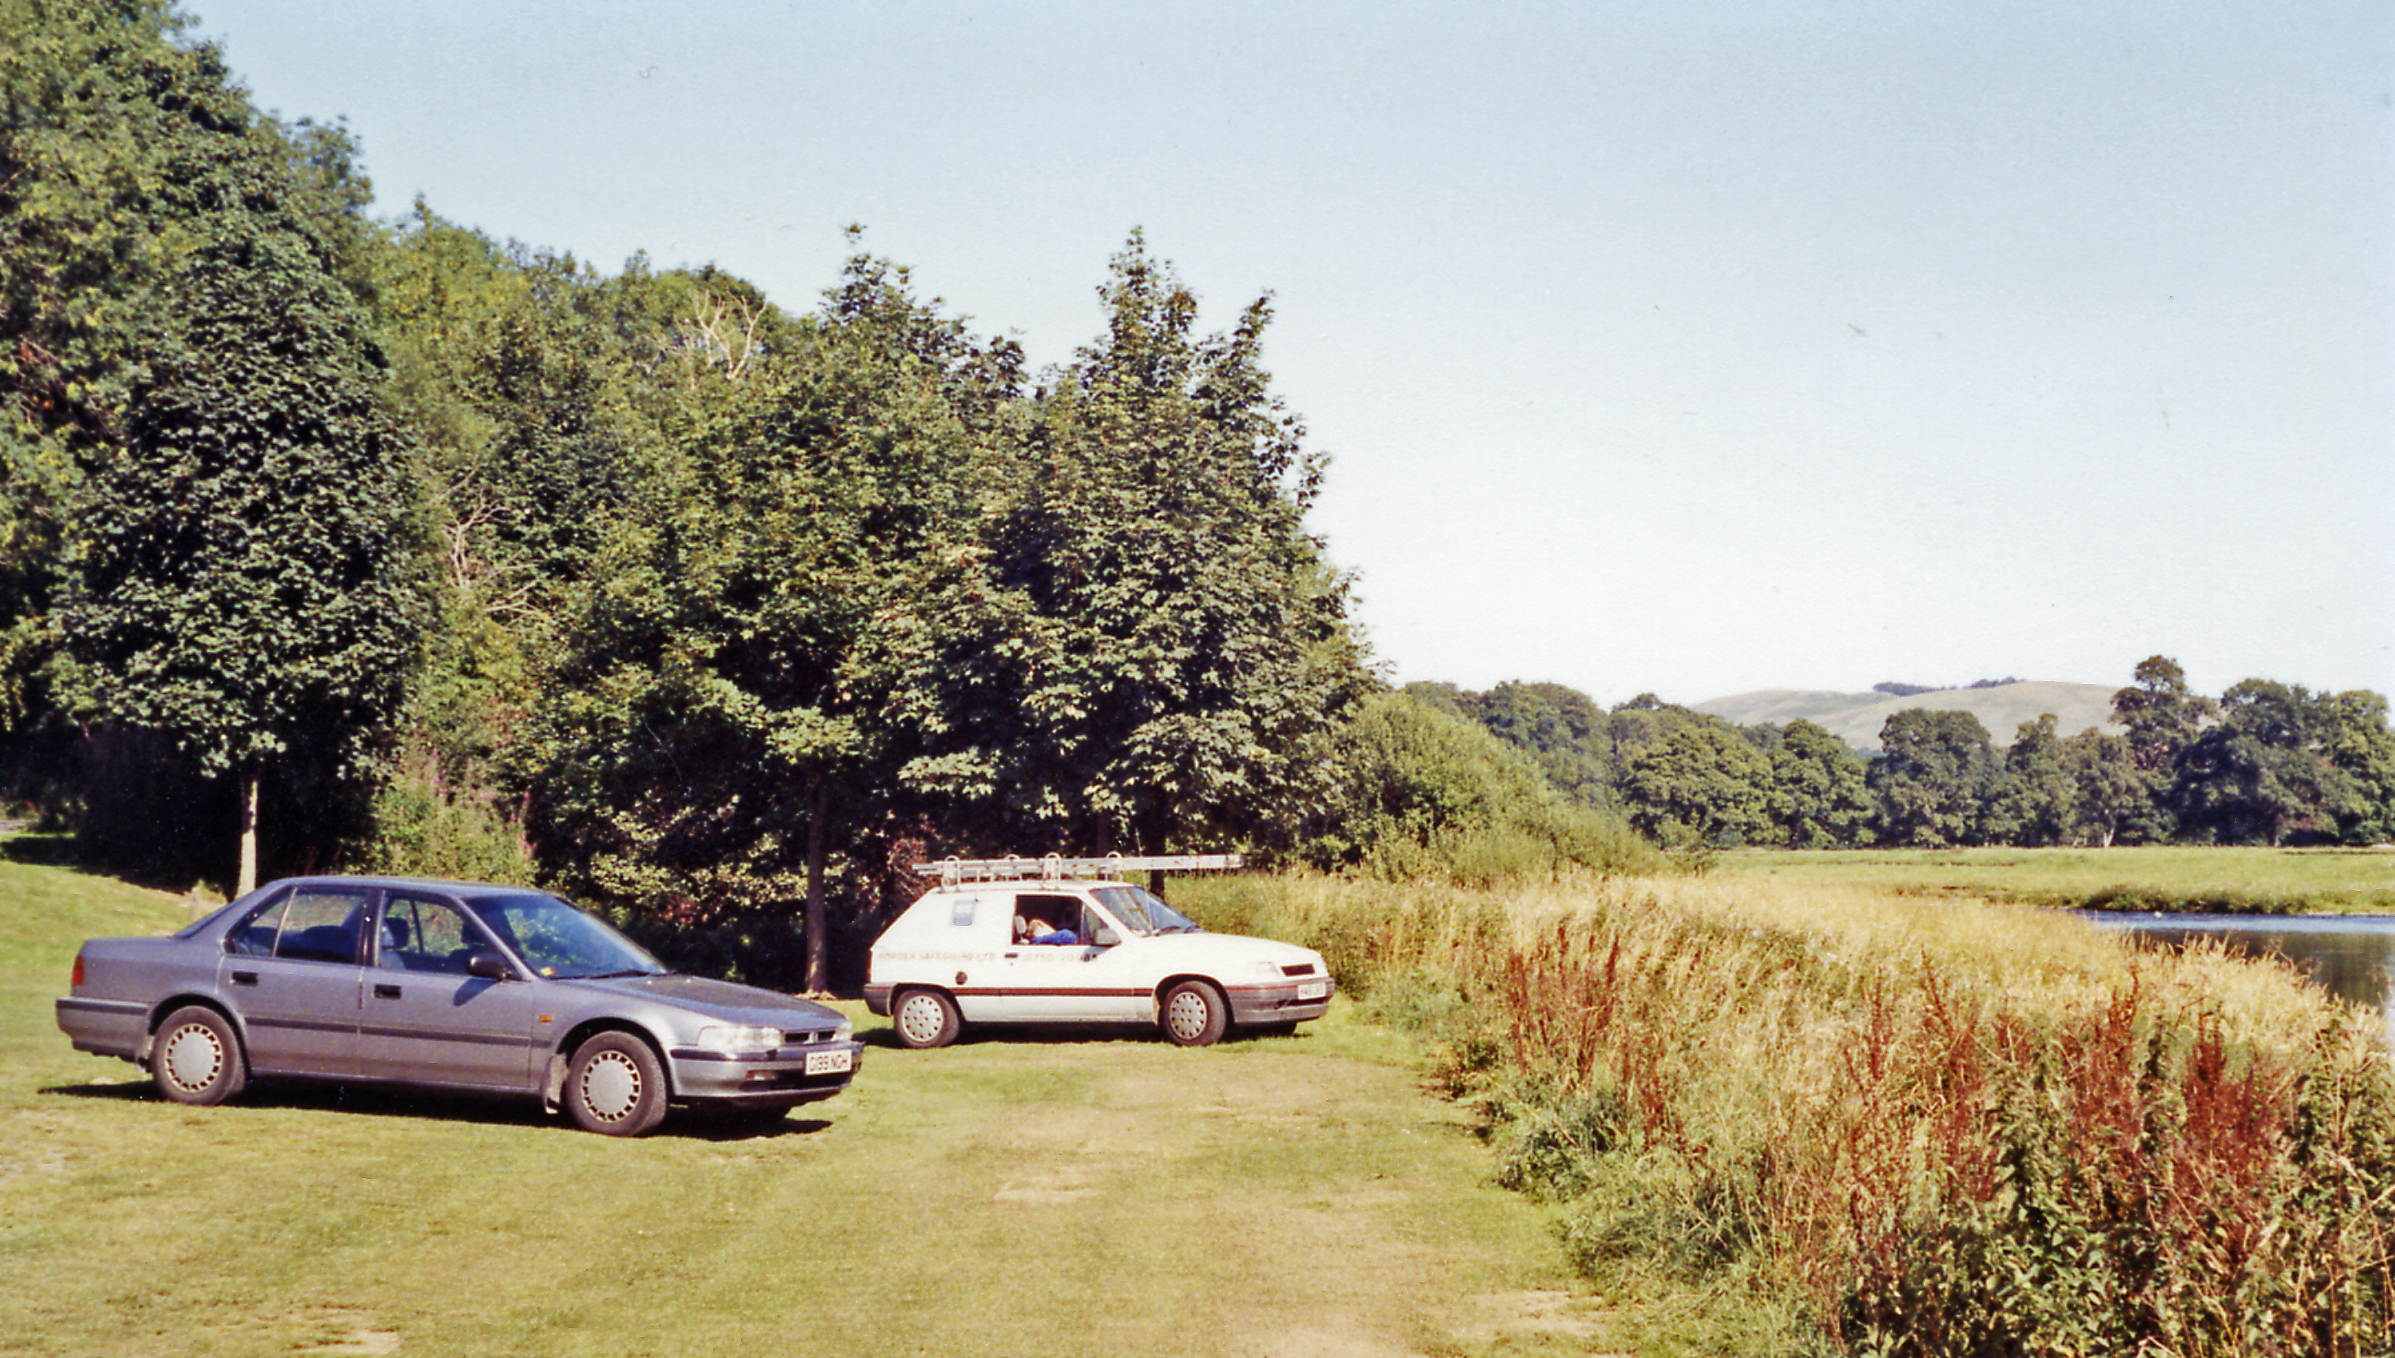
pixel 245 978
pixel 386 992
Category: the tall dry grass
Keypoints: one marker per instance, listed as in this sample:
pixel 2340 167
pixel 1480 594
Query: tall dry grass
pixel 1937 1127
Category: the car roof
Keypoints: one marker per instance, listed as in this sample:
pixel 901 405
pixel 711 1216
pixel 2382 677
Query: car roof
pixel 377 880
pixel 1026 884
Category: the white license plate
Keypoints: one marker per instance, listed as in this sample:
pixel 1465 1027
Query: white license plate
pixel 827 1063
pixel 1313 990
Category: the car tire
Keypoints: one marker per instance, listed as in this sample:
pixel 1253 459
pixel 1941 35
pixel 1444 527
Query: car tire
pixel 1194 1014
pixel 925 1018
pixel 615 1086
pixel 197 1058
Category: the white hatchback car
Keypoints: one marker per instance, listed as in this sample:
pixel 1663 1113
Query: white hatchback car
pixel 1068 949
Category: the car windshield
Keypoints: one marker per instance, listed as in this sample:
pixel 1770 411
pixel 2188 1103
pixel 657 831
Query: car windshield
pixel 1142 913
pixel 1169 920
pixel 557 940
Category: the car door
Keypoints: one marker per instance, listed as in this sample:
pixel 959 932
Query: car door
pixel 1075 981
pixel 425 1020
pixel 291 974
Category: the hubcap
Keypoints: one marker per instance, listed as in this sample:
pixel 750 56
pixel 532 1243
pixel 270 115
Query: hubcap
pixel 1187 1013
pixel 610 1086
pixel 192 1057
pixel 919 1019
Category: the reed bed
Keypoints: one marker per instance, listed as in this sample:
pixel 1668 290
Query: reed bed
pixel 1911 1127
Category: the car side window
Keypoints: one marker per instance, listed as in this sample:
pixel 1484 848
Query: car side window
pixel 1050 918
pixel 311 924
pixel 422 933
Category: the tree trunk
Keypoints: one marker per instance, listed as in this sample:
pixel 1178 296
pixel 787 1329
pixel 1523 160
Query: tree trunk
pixel 818 962
pixel 248 881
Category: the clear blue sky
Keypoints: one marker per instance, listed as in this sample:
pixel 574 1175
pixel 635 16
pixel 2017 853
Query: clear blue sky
pixel 1687 347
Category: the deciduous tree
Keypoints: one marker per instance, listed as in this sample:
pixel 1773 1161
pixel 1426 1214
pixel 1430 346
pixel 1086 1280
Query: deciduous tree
pixel 2033 799
pixel 1931 778
pixel 737 695
pixel 1169 633
pixel 237 565
pixel 1820 791
pixel 2111 798
pixel 1702 783
pixel 2161 712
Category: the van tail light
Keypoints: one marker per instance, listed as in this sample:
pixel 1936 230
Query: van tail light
pixel 77 983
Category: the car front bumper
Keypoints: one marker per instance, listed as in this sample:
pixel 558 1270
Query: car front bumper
pixel 782 1078
pixel 1291 1002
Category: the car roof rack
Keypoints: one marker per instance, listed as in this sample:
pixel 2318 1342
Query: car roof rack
pixel 1056 867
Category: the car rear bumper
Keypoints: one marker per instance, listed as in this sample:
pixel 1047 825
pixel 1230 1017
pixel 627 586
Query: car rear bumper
pixel 877 998
pixel 776 1079
pixel 105 1027
pixel 1288 1003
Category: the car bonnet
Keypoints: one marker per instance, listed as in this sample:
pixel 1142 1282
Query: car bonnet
pixel 725 1000
pixel 1228 949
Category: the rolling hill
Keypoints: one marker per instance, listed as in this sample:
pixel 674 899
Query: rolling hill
pixel 1856 718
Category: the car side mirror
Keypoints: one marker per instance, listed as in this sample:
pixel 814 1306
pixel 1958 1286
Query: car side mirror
pixel 1104 936
pixel 488 965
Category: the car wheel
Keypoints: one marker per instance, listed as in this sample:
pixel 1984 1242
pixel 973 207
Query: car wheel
pixel 926 1018
pixel 615 1086
pixel 1195 1014
pixel 197 1058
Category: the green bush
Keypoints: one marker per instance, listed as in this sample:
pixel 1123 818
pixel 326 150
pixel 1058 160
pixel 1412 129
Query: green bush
pixel 422 829
pixel 1420 793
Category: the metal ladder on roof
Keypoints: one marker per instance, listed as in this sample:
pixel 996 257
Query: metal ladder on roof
pixel 1056 867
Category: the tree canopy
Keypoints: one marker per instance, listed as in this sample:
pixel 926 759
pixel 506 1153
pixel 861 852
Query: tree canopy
pixel 237 572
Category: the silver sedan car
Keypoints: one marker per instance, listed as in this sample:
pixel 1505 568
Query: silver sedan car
pixel 446 985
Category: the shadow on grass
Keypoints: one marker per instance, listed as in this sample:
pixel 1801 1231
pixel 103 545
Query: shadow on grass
pixel 491 1110
pixel 62 851
pixel 1056 1034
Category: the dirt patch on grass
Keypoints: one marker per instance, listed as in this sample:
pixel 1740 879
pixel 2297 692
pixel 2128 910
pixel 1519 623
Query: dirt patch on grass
pixel 1068 1183
pixel 1538 1311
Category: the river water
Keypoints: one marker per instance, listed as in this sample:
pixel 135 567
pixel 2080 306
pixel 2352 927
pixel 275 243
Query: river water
pixel 2352 956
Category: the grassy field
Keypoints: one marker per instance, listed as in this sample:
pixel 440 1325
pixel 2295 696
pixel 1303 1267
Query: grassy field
pixel 1288 1197
pixel 2171 878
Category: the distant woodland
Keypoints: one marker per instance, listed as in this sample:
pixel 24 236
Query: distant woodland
pixel 334 542
pixel 2263 763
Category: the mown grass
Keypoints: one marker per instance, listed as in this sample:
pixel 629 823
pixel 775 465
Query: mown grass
pixel 1297 1195
pixel 1794 1116
pixel 2228 880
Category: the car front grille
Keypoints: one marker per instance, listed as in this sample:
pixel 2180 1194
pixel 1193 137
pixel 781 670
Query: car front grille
pixel 1301 969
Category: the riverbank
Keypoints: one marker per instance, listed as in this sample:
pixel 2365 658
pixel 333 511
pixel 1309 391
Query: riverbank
pixel 1782 1116
pixel 2164 878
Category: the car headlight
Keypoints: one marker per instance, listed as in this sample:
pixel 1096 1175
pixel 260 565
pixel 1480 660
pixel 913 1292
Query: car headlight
pixel 844 1032
pixel 1271 969
pixel 724 1037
